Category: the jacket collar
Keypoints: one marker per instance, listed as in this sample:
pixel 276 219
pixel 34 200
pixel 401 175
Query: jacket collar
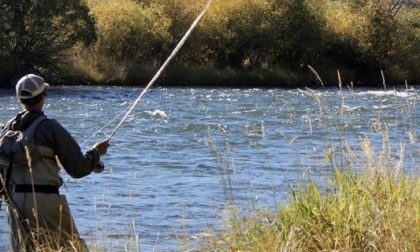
pixel 23 119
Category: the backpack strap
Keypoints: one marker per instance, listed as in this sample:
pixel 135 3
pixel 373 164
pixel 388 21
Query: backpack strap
pixel 8 175
pixel 30 131
pixel 29 138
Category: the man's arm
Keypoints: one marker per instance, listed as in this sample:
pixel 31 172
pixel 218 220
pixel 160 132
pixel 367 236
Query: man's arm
pixel 68 152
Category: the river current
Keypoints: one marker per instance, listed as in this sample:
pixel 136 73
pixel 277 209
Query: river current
pixel 184 155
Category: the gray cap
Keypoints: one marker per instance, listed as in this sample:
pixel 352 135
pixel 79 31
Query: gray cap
pixel 30 86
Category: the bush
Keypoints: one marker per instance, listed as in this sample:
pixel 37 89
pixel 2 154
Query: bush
pixel 234 33
pixel 365 37
pixel 133 39
pixel 259 33
pixel 130 31
pixel 300 30
pixel 181 13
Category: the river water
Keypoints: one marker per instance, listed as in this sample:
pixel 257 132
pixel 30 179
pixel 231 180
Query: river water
pixel 184 155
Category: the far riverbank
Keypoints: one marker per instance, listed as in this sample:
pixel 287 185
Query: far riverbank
pixel 194 76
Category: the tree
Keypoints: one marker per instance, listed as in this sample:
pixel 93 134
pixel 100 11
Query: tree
pixel 234 34
pixel 35 33
pixel 299 31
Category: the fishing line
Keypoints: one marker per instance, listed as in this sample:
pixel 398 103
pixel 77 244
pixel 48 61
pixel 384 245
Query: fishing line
pixel 158 73
pixel 104 127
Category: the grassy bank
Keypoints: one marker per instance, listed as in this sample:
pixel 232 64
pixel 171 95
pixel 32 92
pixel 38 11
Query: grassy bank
pixel 372 212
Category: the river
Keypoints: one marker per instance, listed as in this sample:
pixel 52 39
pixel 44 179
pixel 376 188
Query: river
pixel 184 155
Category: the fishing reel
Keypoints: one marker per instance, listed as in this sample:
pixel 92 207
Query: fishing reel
pixel 99 167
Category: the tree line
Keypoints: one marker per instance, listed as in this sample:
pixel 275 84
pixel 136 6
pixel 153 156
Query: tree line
pixel 264 43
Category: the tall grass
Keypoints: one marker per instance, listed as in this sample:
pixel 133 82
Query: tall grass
pixel 370 212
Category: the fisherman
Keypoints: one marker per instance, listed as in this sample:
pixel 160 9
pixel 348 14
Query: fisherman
pixel 37 214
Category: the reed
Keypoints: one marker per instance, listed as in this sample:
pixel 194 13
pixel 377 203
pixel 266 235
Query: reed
pixel 372 212
pixel 318 77
pixel 225 174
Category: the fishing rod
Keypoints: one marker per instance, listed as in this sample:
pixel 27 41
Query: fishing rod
pixel 162 68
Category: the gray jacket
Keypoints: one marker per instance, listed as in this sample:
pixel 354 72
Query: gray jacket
pixel 53 140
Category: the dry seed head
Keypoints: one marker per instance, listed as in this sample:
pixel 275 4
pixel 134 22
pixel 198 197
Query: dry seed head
pixel 400 165
pixel 383 79
pixel 316 75
pixel 29 158
pixel 368 151
pixel 412 136
pixel 340 84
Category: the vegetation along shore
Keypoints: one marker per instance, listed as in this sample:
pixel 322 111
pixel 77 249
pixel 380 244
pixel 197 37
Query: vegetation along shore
pixel 374 212
pixel 241 43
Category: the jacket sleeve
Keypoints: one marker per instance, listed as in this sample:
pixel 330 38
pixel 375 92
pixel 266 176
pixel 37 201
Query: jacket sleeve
pixel 68 152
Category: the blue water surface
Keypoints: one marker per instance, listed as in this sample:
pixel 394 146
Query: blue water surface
pixel 184 155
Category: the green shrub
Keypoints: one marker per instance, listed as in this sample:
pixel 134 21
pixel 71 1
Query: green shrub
pixel 370 36
pixel 375 212
pixel 181 13
pixel 130 31
pixel 300 30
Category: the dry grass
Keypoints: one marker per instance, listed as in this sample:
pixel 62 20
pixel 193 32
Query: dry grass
pixel 373 212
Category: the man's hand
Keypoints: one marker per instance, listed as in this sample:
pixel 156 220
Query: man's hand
pixel 101 147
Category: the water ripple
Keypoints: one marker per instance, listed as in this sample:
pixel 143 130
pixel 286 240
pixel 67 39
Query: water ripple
pixel 183 153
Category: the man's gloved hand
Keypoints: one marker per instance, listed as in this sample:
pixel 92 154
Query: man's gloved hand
pixel 102 147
